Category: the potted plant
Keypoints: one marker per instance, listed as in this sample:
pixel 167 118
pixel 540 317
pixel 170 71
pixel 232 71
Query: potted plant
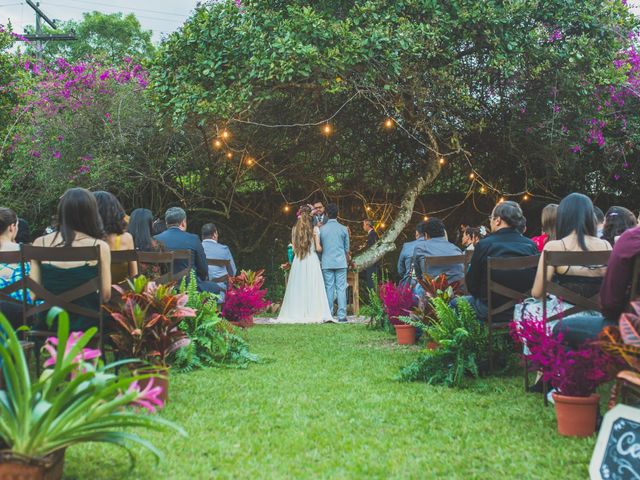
pixel 398 301
pixel 245 298
pixel 146 326
pixel 76 399
pixel 574 374
pixel 438 287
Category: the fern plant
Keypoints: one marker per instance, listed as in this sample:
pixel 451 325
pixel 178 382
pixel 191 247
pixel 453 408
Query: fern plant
pixel 214 341
pixel 462 347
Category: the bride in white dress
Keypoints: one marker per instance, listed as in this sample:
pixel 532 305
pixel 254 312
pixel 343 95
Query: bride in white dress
pixel 305 300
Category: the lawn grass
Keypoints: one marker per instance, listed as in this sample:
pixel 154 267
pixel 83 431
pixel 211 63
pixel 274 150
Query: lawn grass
pixel 325 404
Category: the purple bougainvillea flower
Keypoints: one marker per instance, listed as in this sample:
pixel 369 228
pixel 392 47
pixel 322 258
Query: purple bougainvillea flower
pixel 56 154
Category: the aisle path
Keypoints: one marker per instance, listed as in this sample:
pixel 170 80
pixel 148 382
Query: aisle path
pixel 324 404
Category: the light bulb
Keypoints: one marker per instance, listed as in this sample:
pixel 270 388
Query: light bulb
pixel 442 161
pixel 327 129
pixel 229 155
pixel 217 144
pixel 525 197
pixel 388 123
pixel 472 175
pixel 225 134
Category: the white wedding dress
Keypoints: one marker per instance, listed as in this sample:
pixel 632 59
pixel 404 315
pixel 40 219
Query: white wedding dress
pixel 305 300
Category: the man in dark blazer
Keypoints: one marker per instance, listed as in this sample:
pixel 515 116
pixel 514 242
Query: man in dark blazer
pixel 506 240
pixel 176 237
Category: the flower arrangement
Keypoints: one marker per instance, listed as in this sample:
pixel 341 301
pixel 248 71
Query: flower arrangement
pixel 397 301
pixel 242 303
pixel 146 321
pixel 76 399
pixel 574 373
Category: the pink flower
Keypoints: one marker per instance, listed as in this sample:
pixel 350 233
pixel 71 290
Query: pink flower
pixel 56 154
pixel 147 398
pixel 51 346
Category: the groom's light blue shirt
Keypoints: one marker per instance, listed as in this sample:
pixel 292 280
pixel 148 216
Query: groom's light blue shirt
pixel 334 239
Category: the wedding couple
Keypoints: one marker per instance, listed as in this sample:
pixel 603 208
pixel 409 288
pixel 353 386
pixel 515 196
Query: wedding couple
pixel 314 283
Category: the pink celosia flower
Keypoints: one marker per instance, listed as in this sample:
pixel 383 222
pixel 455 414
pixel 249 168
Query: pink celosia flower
pixel 51 346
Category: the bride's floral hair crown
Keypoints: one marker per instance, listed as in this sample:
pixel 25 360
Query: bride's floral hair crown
pixel 304 208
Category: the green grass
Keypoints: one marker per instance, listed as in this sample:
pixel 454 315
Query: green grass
pixel 325 405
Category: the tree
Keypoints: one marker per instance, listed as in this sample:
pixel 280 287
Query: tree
pixel 454 77
pixel 108 37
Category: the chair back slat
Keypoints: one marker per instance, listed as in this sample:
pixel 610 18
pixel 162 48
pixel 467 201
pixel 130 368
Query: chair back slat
pixel 124 256
pixel 443 261
pixel 572 259
pixel 65 299
pixel 216 262
pixel 162 259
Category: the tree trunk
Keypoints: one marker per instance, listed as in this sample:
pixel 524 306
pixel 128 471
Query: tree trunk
pixel 387 243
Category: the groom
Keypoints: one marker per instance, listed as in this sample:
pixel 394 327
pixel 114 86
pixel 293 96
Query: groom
pixel 334 239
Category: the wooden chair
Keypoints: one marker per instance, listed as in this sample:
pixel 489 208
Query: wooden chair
pixel 215 262
pixel 445 261
pixel 181 255
pixel 5 293
pixel 513 289
pixel 635 280
pixel 163 259
pixel 571 259
pixel 627 386
pixel 48 299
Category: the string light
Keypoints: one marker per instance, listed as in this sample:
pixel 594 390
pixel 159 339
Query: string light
pixel 425 218
pixel 327 129
pixel 368 209
pixel 250 161
pixel 442 161
pixel 229 155
pixel 287 208
pixel 225 134
pixel 483 189
pixel 472 175
pixel 525 197
pixel 217 143
pixel 501 200
pixel 388 123
pixel 382 225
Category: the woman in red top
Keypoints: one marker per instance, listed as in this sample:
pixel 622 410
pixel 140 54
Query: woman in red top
pixel 549 215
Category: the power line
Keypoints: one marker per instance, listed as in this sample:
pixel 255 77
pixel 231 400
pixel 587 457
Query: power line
pixel 76 7
pixel 173 14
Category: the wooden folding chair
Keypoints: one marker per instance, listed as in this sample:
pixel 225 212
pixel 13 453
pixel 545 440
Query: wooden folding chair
pixel 181 256
pixel 11 258
pixel 518 274
pixel 571 259
pixel 445 261
pixel 163 259
pixel 47 299
pixel 216 262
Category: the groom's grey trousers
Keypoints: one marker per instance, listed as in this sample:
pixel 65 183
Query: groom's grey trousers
pixel 335 282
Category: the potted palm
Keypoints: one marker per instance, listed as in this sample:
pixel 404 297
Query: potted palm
pixel 574 374
pixel 146 326
pixel 76 399
pixel 398 301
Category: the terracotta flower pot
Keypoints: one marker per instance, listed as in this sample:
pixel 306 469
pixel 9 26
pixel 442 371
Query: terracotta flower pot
pixel 244 323
pixel 157 381
pixel 576 415
pixel 14 466
pixel 406 334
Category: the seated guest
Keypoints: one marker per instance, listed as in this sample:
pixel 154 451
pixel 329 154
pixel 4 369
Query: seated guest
pixel 24 235
pixel 599 220
pixel 616 222
pixel 11 273
pixel 406 255
pixel 576 231
pixel 140 228
pixel 176 237
pixel 158 226
pixel 505 240
pixel 471 236
pixel 115 225
pixel 79 225
pixel 437 245
pixel 549 214
pixel 616 285
pixel 217 251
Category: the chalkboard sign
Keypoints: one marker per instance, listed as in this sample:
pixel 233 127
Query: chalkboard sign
pixel 617 452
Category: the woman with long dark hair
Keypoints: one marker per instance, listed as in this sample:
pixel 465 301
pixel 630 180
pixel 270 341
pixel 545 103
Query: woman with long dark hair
pixel 141 228
pixel 305 300
pixel 79 225
pixel 115 224
pixel 576 231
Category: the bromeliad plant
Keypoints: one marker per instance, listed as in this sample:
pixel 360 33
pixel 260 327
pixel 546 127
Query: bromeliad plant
pixel 75 400
pixel 147 319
